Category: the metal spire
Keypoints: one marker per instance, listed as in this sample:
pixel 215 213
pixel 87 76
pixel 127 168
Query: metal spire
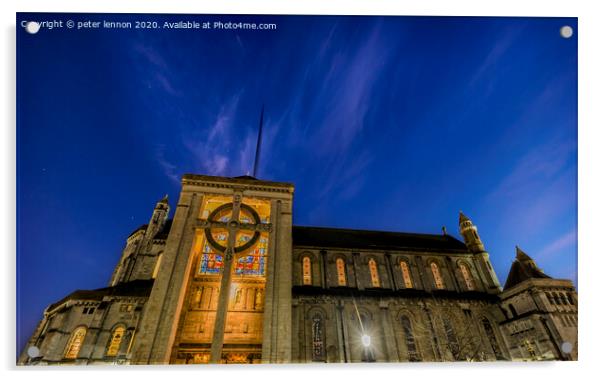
pixel 258 149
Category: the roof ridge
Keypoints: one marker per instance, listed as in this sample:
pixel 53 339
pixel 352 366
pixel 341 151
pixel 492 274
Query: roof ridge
pixel 374 231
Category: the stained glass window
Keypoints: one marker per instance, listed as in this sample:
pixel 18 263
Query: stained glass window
pixel 306 271
pixel 115 341
pixel 255 262
pixel 75 343
pixel 437 276
pixel 452 340
pixel 212 203
pixel 374 273
pixel 342 278
pixel 405 272
pixel 409 337
pixel 318 353
pixel 211 263
pixel 492 340
pixel 467 277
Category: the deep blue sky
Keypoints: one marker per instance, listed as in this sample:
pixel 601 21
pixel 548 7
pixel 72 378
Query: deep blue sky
pixel 386 123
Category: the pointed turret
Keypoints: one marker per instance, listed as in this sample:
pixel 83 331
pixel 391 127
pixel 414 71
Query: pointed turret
pixel 523 268
pixel 474 244
pixel 469 232
pixel 159 217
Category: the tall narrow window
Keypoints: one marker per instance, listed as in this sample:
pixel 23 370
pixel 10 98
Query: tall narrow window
pixel 317 333
pixel 405 272
pixel 374 273
pixel 468 280
pixel 492 340
pixel 410 341
pixel 452 340
pixel 437 276
pixel 115 341
pixel 75 343
pixel 342 277
pixel 306 271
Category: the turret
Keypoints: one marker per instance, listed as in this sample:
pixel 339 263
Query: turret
pixel 133 265
pixel 475 245
pixel 159 217
pixel 469 232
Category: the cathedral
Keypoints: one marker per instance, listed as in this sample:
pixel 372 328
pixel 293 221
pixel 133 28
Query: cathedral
pixel 229 279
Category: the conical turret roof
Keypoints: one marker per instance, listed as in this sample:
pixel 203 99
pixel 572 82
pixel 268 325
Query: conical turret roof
pixel 523 268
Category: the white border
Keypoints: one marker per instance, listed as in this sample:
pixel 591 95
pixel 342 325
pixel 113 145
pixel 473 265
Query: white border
pixel 590 167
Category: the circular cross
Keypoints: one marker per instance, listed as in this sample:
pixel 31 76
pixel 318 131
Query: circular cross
pixel 232 225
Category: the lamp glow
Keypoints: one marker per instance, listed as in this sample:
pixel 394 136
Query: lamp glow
pixel 366 340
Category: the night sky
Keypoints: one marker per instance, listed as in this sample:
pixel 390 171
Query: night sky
pixel 384 123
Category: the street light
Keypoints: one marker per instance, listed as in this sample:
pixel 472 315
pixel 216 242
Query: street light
pixel 366 340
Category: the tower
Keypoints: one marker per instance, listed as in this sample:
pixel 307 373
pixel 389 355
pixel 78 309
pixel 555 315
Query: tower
pixel 474 244
pixel 159 217
pixel 222 293
pixel 541 312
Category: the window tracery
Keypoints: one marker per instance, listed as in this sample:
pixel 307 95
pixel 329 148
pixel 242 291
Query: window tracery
pixel 374 273
pixel 306 271
pixel 467 276
pixel 115 341
pixel 437 276
pixel 405 272
pixel 341 275
pixel 317 331
pixel 75 342
pixel 409 339
pixel 492 339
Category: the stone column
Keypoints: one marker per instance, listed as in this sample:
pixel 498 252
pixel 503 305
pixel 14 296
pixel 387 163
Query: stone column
pixel 323 270
pixel 224 294
pixel 390 272
pixel 356 272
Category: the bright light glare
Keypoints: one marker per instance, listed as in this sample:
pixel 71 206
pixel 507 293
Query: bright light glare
pixel 366 340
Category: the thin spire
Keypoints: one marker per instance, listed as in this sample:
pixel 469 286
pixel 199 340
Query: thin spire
pixel 258 149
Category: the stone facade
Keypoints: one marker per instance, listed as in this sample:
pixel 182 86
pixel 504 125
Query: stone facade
pixel 307 295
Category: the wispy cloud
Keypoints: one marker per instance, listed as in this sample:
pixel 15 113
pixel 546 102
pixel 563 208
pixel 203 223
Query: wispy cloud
pixel 160 73
pixel 169 169
pixel 561 244
pixel 222 148
pixel 498 50
pixel 536 168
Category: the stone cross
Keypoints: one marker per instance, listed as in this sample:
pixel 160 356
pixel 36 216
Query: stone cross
pixel 230 252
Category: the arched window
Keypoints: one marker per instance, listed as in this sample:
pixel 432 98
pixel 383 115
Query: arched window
pixel 374 273
pixel 317 334
pixel 115 341
pixel 492 339
pixel 437 276
pixel 405 272
pixel 409 337
pixel 306 271
pixel 452 340
pixel 468 280
pixel 341 276
pixel 75 342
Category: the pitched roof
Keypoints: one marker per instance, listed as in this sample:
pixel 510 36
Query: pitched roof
pixel 523 268
pixel 136 288
pixel 370 239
